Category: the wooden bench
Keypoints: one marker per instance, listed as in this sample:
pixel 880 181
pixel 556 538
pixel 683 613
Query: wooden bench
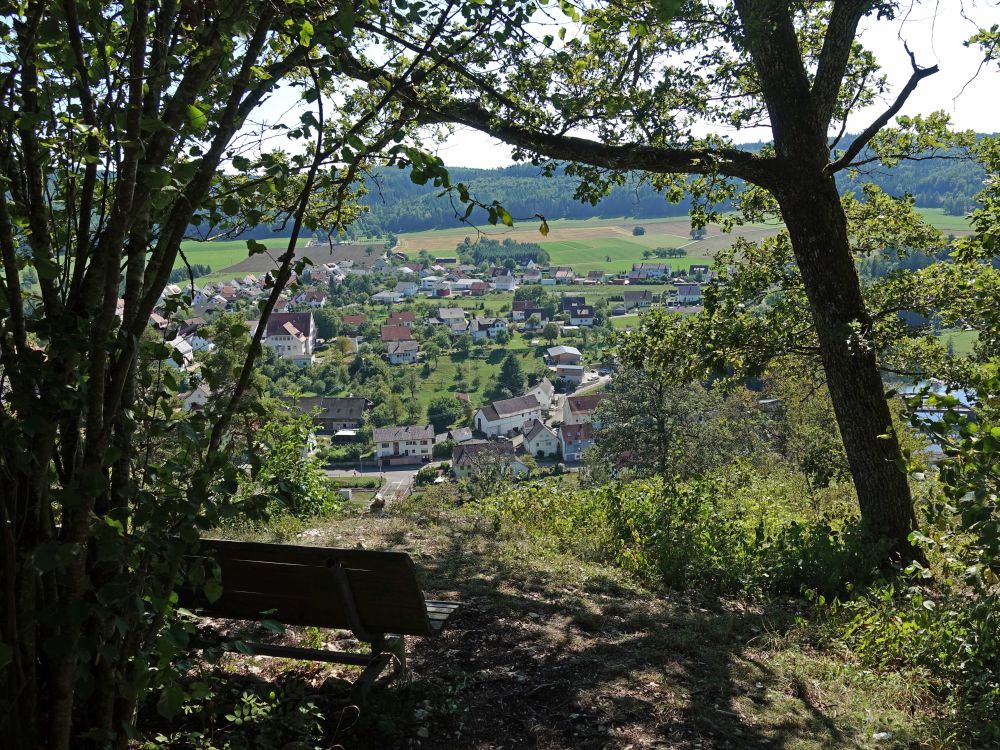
pixel 372 593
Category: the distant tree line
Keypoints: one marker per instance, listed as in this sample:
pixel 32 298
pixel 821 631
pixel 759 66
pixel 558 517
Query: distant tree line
pixel 492 251
pixel 182 274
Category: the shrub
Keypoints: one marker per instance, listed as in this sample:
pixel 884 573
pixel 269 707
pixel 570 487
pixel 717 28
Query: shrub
pixel 638 231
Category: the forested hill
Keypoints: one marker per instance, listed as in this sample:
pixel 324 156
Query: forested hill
pixel 398 205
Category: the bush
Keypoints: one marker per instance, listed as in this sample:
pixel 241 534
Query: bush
pixel 638 231
pixel 734 532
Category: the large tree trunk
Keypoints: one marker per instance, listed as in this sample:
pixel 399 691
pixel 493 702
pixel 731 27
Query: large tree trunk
pixel 817 225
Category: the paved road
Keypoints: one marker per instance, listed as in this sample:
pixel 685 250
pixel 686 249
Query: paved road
pixel 583 390
pixel 397 479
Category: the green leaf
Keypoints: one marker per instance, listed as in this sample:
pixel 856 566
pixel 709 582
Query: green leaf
pixel 170 701
pixel 196 118
pixel 213 589
pixel 48 269
pixel 256 247
pixel 305 33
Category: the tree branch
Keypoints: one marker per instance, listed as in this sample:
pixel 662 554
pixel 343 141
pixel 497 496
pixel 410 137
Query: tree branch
pixel 882 120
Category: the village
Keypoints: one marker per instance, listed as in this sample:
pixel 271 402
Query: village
pixel 410 313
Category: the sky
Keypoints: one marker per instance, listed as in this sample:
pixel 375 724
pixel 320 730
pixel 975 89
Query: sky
pixel 934 31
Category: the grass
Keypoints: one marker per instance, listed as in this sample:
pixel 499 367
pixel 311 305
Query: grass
pixel 479 367
pixel 577 655
pixel 625 321
pixel 962 341
pixel 946 223
pixel 218 254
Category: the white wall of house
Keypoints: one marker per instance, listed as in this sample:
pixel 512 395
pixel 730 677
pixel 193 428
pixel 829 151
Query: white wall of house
pixel 545 441
pixel 420 448
pixel 505 425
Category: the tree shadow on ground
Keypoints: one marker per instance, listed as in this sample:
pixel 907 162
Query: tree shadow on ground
pixel 539 657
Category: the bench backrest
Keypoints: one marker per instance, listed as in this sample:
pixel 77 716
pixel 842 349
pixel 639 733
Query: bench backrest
pixel 297 585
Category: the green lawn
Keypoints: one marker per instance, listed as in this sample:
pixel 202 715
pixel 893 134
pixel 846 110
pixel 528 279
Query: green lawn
pixel 612 255
pixel 962 341
pixel 483 366
pixel 218 254
pixel 938 218
pixel 625 321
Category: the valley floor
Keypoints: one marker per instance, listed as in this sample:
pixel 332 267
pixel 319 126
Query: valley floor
pixel 552 652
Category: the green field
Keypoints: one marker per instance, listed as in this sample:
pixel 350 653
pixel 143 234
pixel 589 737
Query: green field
pixel 938 218
pixel 612 255
pixel 218 254
pixel 962 342
pixel 625 321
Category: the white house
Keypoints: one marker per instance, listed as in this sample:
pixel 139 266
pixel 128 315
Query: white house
pixel 454 318
pixel 182 351
pixel 541 441
pixel 407 288
pixel 579 409
pixel 581 316
pixel 398 445
pixel 689 294
pixel 506 282
pixel 482 328
pixel 543 391
pixel 291 335
pixel 508 416
pixel 636 300
pixel 652 270
pixel 574 440
pixel 427 283
pixel 195 399
pixel 386 298
pixel 402 352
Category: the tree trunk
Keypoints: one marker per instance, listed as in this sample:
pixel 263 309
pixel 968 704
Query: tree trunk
pixel 817 225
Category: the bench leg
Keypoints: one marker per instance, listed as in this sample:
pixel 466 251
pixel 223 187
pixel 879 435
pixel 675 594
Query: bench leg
pixel 363 684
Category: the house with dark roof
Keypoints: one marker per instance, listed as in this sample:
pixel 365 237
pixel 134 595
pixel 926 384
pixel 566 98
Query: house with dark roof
pixel 568 304
pixel 689 294
pixel 579 409
pixel 292 335
pixel 402 352
pixel 638 300
pixel 582 316
pixel 330 414
pixel 652 270
pixel 402 445
pixel 508 416
pixel 541 441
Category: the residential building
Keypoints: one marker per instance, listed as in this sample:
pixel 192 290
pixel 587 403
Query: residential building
pixel 332 414
pixel 574 440
pixel 507 416
pixel 689 294
pixel 466 457
pixel 478 288
pixel 400 445
pixel 535 318
pixel 638 300
pixel 482 328
pixel 563 355
pixel 386 298
pixel 567 304
pixel 570 374
pixel 407 288
pixel 582 316
pixel 505 281
pixel 196 398
pixel 406 318
pixel 541 441
pixel 700 270
pixel 395 333
pixel 543 391
pixel 579 409
pixel 427 283
pixel 291 335
pixel 402 352
pixel 652 270
pixel 563 276
pixel 353 322
pixel 454 318
pixel 518 308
